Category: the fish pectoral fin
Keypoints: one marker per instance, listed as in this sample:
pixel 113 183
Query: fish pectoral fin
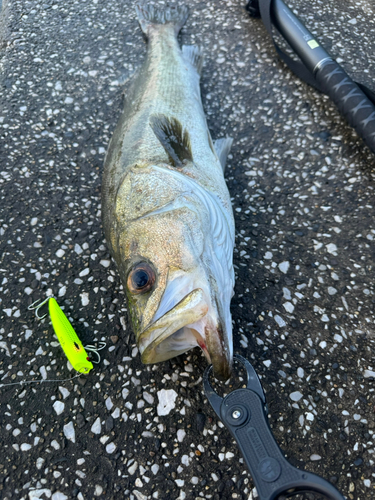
pixel 222 148
pixel 193 54
pixel 173 138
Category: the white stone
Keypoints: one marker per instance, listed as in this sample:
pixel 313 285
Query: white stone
pixel 332 248
pixel 133 468
pixel 69 432
pixel 286 294
pixel 180 435
pixel 62 291
pixel 167 398
pixel 149 398
pixel 38 494
pixel 284 266
pixel 179 482
pixel 310 416
pixel 3 345
pixel 315 457
pixel 25 446
pixel 68 100
pixel 369 373
pixel 300 372
pixel 58 406
pixel 60 252
pixel 65 393
pixel 59 496
pixel 78 249
pixel 295 396
pixel 268 255
pixel 84 272
pixel 155 469
pixel 34 221
pixel 39 462
pixel 55 444
pixel 98 490
pixel 115 413
pixel 139 495
pixel 110 448
pixel 288 306
pixel 105 263
pixel 96 427
pixel 331 290
pixel 279 320
pixel 84 298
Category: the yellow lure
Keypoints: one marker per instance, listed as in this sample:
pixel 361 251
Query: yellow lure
pixel 72 346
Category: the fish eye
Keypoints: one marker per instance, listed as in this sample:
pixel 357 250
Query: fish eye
pixel 141 278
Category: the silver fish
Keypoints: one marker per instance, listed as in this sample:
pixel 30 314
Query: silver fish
pixel 167 213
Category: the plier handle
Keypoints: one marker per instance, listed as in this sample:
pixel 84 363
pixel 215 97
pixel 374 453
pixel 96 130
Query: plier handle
pixel 244 412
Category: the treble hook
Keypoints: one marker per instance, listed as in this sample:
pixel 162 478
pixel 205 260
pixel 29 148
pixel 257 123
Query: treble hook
pixel 36 307
pixel 95 350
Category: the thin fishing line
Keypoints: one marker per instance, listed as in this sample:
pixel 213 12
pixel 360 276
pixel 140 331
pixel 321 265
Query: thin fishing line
pixel 40 381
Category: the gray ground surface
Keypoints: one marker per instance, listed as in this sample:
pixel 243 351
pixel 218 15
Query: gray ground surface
pixel 303 310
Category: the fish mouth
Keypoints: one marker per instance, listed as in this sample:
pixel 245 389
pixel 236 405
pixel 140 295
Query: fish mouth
pixel 185 326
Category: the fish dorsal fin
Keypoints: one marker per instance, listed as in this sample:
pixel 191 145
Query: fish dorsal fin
pixel 173 138
pixel 222 148
pixel 193 54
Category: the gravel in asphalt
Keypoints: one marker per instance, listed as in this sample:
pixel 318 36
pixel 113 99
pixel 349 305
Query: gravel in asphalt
pixel 302 186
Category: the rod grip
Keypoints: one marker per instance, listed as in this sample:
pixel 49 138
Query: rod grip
pixel 351 101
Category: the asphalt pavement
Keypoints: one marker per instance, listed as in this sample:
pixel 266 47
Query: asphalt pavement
pixel 302 185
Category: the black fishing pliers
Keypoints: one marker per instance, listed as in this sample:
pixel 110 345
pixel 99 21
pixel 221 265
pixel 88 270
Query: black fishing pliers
pixel 244 412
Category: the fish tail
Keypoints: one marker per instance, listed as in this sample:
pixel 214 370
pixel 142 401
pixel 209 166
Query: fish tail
pixel 149 16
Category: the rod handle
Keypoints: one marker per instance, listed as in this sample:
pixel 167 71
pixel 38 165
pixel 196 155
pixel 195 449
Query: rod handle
pixel 351 101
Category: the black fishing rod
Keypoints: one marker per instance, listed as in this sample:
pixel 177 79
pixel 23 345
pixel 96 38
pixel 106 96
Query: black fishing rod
pixel 355 101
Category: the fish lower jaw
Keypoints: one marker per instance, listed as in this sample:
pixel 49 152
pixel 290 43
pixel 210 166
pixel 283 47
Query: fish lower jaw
pixel 201 334
pixel 176 343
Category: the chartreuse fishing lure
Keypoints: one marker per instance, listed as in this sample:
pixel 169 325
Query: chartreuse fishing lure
pixel 69 340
